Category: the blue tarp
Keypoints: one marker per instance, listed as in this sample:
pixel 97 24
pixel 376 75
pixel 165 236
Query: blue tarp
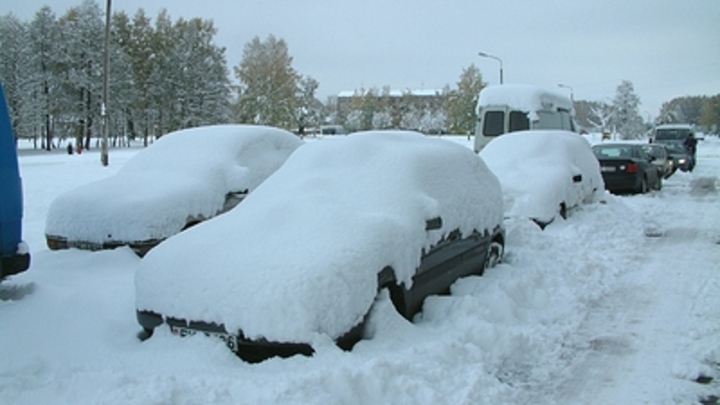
pixel 11 206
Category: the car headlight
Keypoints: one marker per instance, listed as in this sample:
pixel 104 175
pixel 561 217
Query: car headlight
pixel 681 160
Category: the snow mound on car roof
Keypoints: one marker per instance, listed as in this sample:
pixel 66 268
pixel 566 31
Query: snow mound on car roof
pixel 183 174
pixel 300 256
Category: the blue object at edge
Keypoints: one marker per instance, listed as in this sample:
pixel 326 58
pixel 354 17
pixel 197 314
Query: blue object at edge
pixel 11 205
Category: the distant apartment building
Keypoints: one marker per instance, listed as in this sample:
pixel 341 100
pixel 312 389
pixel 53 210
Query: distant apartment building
pixel 403 108
pixel 424 99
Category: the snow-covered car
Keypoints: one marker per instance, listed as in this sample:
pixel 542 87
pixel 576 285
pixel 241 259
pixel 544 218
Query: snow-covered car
pixel 306 254
pixel 544 174
pixel 183 178
pixel 626 168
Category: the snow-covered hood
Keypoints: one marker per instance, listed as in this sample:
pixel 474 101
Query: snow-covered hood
pixel 185 174
pixel 300 256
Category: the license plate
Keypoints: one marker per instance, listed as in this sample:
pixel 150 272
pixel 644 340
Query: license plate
pixel 230 340
pixel 607 168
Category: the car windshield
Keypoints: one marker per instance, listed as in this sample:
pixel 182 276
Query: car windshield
pixel 613 151
pixel 675 148
pixel 674 134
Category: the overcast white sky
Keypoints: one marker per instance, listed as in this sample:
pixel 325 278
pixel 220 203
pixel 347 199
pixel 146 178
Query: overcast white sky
pixel 666 48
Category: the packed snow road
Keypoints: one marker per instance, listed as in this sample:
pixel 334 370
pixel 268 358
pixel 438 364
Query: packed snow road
pixel 619 304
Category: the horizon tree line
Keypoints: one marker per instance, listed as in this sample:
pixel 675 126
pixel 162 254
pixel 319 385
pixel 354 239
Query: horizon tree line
pixel 167 75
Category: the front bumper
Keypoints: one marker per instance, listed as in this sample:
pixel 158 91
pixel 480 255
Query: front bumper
pixel 141 248
pixel 11 265
pixel 252 351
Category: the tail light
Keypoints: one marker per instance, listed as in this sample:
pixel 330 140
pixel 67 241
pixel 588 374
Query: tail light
pixel 631 168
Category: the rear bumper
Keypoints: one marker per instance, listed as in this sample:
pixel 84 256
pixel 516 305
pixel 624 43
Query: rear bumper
pixel 618 183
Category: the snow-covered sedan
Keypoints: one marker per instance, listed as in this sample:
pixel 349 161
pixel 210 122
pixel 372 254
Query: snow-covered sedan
pixel 544 174
pixel 183 178
pixel 305 255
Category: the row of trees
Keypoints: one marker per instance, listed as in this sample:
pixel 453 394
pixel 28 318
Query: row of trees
pixel 161 78
pixel 166 75
pixel 622 114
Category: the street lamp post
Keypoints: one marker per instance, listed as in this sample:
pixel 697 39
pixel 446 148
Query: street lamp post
pixel 104 159
pixel 485 55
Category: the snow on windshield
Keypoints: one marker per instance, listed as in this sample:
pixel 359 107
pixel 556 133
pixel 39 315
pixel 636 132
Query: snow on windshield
pixel 536 169
pixel 300 255
pixel 183 174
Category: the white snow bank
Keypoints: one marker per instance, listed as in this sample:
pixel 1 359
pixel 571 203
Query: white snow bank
pixel 300 255
pixel 185 174
pixel 536 170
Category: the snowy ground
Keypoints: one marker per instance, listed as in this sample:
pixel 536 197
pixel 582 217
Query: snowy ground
pixel 619 304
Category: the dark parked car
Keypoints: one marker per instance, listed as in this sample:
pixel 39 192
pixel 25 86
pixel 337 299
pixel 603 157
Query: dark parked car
pixel 14 253
pixel 681 158
pixel 626 168
pixel 306 254
pixel 660 158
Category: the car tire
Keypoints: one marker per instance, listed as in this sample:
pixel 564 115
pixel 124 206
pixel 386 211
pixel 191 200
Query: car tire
pixel 494 255
pixel 643 186
pixel 658 185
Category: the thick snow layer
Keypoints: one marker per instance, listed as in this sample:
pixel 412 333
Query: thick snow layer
pixel 300 255
pixel 536 170
pixel 588 311
pixel 523 97
pixel 185 174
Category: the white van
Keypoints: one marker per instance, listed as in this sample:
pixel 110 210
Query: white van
pixel 515 107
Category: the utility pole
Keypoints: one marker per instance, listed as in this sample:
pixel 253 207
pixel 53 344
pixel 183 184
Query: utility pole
pixel 103 107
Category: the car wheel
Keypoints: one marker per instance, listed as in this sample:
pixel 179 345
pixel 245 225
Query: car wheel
pixel 494 255
pixel 643 186
pixel 658 185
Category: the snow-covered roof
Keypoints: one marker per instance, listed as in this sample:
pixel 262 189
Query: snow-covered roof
pixel 536 168
pixel 523 97
pixel 394 93
pixel 674 126
pixel 300 256
pixel 184 174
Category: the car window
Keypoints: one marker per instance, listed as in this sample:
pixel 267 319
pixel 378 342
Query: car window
pixel 614 152
pixel 518 121
pixel 655 151
pixel 494 123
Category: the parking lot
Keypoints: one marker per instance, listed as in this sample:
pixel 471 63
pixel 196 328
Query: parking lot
pixel 618 303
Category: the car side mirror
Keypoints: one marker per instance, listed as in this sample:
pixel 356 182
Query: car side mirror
pixel 577 178
pixel 433 224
